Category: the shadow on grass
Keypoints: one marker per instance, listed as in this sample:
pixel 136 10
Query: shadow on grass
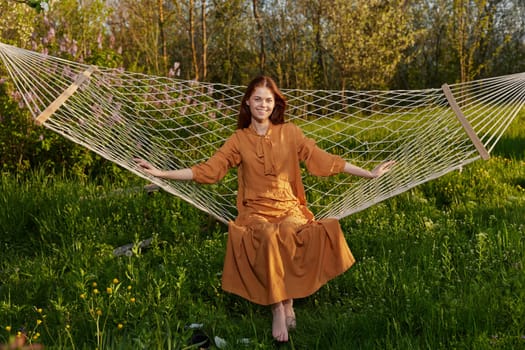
pixel 510 147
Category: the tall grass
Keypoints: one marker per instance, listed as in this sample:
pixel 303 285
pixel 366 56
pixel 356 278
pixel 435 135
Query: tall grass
pixel 438 267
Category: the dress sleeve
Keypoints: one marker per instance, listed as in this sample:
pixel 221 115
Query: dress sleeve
pixel 318 162
pixel 216 167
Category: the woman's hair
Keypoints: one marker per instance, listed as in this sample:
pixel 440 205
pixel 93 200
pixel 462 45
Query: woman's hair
pixel 277 117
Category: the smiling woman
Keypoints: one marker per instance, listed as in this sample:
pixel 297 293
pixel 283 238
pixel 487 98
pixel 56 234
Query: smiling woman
pixel 262 106
pixel 276 250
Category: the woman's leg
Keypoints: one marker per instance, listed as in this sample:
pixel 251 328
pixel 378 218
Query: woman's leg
pixel 289 313
pixel 279 328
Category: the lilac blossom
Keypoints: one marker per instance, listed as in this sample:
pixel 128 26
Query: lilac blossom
pixel 51 34
pixel 74 48
pixel 44 6
pixel 99 41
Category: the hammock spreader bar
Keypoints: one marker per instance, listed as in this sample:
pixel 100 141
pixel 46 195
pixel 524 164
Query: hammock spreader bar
pixel 465 123
pixel 60 100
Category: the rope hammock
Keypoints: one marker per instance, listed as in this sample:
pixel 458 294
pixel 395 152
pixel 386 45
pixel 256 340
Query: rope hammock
pixel 177 123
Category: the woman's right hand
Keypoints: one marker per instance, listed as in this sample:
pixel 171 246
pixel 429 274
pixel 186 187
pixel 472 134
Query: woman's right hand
pixel 147 167
pixel 180 174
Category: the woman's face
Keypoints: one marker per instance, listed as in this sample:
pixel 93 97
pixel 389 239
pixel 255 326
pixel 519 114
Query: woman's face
pixel 261 103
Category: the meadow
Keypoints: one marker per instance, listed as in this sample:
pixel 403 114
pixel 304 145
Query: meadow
pixel 438 267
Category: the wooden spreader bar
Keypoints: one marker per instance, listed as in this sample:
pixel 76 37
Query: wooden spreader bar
pixel 41 119
pixel 465 123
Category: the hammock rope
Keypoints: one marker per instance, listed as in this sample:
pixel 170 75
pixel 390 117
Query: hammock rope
pixel 177 123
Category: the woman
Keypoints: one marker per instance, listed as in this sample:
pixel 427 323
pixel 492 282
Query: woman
pixel 276 250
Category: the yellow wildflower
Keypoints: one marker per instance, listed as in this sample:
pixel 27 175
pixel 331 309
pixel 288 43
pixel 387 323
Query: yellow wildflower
pixel 120 326
pixel 109 290
pixel 115 281
pixel 8 328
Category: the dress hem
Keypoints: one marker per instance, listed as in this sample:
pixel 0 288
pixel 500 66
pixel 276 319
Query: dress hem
pixel 310 291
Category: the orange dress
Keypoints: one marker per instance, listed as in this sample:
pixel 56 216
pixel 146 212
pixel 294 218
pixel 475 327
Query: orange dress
pixel 276 250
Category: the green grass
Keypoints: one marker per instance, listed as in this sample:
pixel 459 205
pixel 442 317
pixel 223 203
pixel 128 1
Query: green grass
pixel 438 267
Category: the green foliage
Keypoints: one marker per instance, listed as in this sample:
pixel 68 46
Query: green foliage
pixel 25 146
pixel 369 39
pixel 17 134
pixel 318 44
pixel 17 23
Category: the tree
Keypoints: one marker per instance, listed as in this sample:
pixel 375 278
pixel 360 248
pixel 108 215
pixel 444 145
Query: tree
pixel 288 34
pixel 430 62
pixel 73 29
pixel 135 37
pixel 315 11
pixel 160 9
pixel 368 39
pixel 260 33
pixel 230 51
pixel 17 23
pixel 468 31
pixel 204 34
pixel 509 36
pixel 191 33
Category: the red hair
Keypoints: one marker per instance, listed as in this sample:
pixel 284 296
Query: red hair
pixel 277 117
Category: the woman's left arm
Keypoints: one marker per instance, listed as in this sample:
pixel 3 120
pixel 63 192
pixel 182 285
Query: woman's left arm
pixel 321 163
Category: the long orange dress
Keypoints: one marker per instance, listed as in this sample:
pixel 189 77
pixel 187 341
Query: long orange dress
pixel 276 250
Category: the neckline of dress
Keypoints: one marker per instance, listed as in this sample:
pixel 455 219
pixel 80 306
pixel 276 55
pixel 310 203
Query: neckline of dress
pixel 252 127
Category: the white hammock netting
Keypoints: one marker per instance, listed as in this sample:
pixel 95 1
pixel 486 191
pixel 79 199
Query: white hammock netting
pixel 178 123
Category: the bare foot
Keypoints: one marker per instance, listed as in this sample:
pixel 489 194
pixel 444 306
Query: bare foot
pixel 279 329
pixel 290 314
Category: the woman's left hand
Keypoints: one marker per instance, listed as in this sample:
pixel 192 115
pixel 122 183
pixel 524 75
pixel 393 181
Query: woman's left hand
pixel 383 168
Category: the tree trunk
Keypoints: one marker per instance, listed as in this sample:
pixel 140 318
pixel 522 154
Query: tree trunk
pixel 262 53
pixel 204 41
pixel 162 38
pixel 322 78
pixel 192 40
pixel 462 38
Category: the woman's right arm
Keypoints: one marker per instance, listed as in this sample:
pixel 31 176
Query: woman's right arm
pixel 179 174
pixel 207 172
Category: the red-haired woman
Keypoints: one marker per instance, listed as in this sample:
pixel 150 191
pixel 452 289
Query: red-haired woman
pixel 276 250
